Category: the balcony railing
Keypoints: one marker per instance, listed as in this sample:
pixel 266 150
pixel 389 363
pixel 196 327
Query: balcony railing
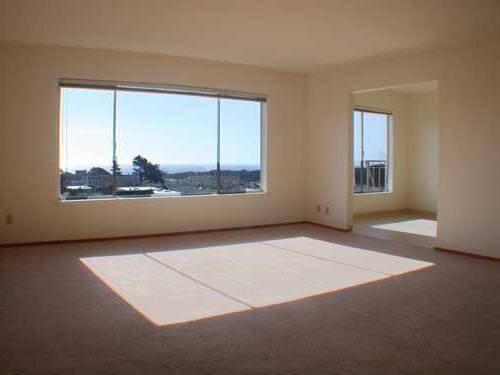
pixel 371 176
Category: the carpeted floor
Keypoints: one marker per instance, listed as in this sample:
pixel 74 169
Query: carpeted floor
pixel 60 316
pixel 408 226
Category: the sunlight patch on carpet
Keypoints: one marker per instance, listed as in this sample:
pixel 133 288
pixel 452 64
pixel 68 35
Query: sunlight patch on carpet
pixel 163 296
pixel 421 227
pixel 174 286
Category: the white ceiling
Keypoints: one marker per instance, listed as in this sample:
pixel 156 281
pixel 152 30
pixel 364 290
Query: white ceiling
pixel 296 35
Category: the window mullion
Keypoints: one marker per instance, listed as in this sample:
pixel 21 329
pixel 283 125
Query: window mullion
pixel 362 151
pixel 115 162
pixel 387 153
pixel 218 147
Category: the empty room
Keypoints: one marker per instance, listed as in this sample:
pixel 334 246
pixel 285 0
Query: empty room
pixel 266 187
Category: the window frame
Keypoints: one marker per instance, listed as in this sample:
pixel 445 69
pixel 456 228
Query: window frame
pixel 155 88
pixel 389 151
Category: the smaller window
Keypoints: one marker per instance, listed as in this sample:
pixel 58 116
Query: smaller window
pixel 371 139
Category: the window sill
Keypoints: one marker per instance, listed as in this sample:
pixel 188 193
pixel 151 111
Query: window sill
pixel 372 193
pixel 69 202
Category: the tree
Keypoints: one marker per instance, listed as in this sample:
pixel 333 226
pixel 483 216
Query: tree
pixel 147 171
pixel 139 164
pixel 153 173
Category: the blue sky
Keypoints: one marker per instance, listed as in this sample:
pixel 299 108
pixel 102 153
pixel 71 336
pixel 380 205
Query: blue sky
pixel 166 129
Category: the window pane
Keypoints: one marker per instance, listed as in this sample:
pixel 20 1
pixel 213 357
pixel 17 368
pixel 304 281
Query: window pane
pixel 370 159
pixel 375 136
pixel 159 144
pixel 166 144
pixel 86 143
pixel 374 151
pixel 240 126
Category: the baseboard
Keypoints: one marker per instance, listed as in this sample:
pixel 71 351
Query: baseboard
pixel 395 211
pixel 464 253
pixel 140 236
pixel 330 226
pixel 135 237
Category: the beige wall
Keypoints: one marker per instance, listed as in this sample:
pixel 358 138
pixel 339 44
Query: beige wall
pixel 468 193
pixel 29 144
pixel 397 198
pixel 423 151
pixel 308 142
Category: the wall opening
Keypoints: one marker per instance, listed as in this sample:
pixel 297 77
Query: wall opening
pixel 394 162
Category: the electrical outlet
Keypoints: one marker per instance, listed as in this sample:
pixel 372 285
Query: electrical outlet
pixel 8 219
pixel 327 210
pixel 318 208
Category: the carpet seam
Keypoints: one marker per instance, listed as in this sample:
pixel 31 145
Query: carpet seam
pixel 328 260
pixel 198 281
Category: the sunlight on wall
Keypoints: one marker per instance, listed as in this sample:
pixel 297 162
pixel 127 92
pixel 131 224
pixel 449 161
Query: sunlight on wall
pixel 176 286
pixel 421 227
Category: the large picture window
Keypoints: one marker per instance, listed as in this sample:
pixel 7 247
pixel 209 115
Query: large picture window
pixel 371 158
pixel 122 141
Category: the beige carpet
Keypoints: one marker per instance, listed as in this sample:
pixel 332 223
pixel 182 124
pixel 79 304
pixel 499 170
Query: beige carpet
pixel 286 300
pixel 408 226
pixel 175 286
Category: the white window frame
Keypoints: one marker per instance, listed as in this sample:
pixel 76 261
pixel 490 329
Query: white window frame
pixel 218 94
pixel 389 154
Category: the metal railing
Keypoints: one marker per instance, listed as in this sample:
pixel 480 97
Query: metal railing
pixel 371 176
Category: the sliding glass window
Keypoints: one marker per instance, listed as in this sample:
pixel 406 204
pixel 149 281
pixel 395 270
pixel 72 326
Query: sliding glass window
pixel 371 157
pixel 128 142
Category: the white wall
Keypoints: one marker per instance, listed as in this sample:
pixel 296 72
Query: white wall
pixel 397 198
pixel 468 193
pixel 29 147
pixel 423 151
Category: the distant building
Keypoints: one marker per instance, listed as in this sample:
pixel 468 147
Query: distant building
pixel 201 180
pixel 81 177
pixel 127 180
